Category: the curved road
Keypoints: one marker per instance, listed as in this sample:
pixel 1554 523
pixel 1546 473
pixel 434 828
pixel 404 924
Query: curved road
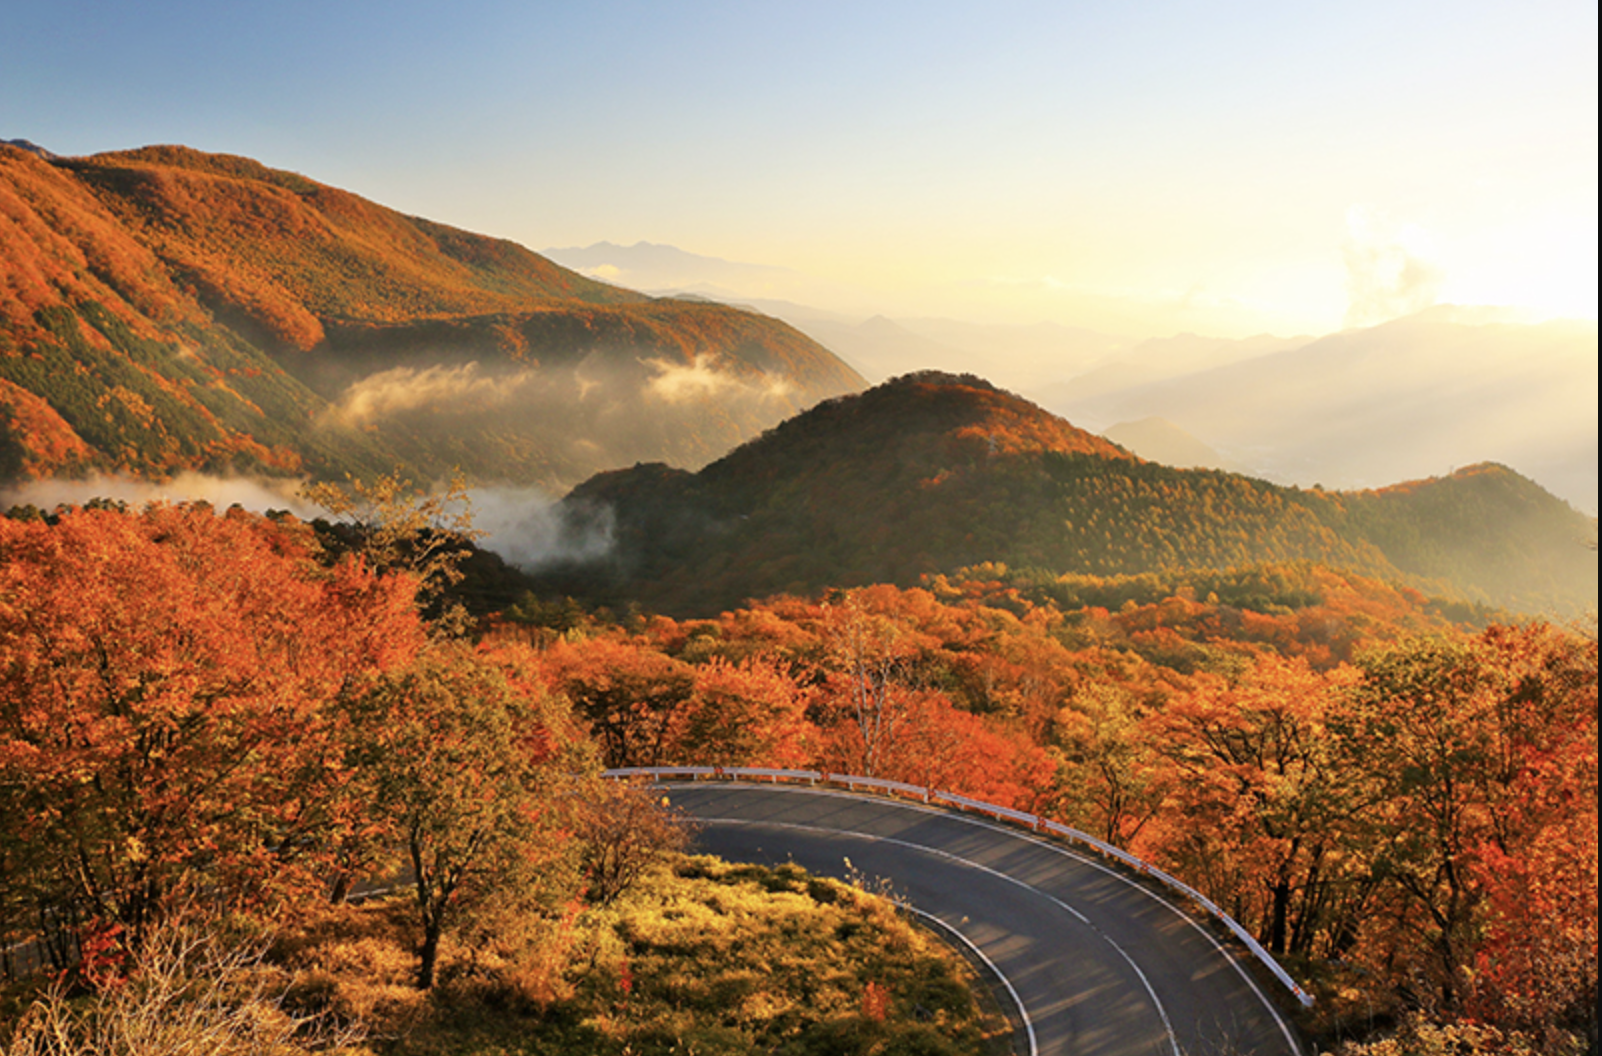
pixel 1100 964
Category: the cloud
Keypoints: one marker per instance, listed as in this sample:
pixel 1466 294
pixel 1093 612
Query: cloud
pixel 701 379
pixel 259 494
pixel 526 527
pixel 392 392
pixel 1388 270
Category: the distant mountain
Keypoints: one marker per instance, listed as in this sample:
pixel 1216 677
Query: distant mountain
pixel 30 147
pixel 1019 357
pixel 167 309
pixel 933 472
pixel 1411 398
pixel 1159 440
pixel 1154 360
pixel 670 271
pixel 880 348
pixel 651 266
pixel 847 320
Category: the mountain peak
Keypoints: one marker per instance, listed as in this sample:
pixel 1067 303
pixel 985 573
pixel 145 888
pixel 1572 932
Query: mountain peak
pixel 31 148
pixel 170 309
pixel 921 415
pixel 933 472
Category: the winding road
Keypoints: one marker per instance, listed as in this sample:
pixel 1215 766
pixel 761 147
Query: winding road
pixel 1100 965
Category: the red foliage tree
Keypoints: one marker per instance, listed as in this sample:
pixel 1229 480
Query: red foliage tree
pixel 746 714
pixel 164 722
pixel 629 693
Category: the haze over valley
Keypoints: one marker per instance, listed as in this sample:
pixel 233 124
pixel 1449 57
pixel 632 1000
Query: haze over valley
pixel 181 324
pixel 1413 397
pixel 621 529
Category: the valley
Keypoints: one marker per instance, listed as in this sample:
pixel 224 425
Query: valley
pixel 1356 712
pixel 167 310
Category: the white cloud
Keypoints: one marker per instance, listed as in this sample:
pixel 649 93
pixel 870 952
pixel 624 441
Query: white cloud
pixel 701 379
pixel 402 389
pixel 1389 269
pixel 525 527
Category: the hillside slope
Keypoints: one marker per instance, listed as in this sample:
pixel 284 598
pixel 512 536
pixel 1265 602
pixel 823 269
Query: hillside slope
pixel 933 472
pixel 1363 408
pixel 167 309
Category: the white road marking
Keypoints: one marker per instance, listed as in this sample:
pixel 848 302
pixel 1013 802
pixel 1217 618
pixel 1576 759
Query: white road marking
pixel 1168 1028
pixel 1023 1013
pixel 1279 1021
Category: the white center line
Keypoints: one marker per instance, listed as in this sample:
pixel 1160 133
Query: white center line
pixel 1162 1013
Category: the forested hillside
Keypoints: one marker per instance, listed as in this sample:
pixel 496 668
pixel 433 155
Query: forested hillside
pixel 1330 712
pixel 932 472
pixel 1395 794
pixel 1401 807
pixel 167 309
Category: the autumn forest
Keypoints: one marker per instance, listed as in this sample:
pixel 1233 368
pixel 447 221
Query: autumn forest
pixel 279 783
pixel 204 707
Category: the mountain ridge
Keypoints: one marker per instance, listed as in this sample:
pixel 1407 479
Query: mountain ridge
pixel 930 473
pixel 178 310
pixel 1404 399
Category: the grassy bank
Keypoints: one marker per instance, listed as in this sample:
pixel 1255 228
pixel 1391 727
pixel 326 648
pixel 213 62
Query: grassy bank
pixel 703 958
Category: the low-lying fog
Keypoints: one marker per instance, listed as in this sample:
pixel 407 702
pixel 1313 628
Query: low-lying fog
pixel 520 524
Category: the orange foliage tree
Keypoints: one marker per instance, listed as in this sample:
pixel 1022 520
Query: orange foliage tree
pixel 874 663
pixel 630 694
pixel 749 713
pixel 1114 784
pixel 459 764
pixel 1480 757
pixel 164 723
pixel 1536 967
pixel 1258 810
pixel 1358 793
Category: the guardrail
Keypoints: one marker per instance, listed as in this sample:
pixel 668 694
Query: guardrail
pixel 1032 821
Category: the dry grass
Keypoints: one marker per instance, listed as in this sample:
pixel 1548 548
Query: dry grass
pixel 701 957
pixel 188 993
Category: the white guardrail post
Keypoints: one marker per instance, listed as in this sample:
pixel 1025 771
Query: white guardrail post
pixel 1032 821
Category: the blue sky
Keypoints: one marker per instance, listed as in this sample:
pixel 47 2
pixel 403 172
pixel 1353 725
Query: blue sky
pixel 1223 167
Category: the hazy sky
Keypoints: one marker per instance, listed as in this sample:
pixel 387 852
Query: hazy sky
pixel 1228 167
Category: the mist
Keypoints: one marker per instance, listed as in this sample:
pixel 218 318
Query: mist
pixel 258 494
pixel 702 379
pixel 1388 273
pixel 547 428
pixel 392 392
pixel 556 424
pixel 1412 398
pixel 524 526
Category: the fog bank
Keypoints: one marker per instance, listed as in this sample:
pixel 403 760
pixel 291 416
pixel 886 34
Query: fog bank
pixel 520 524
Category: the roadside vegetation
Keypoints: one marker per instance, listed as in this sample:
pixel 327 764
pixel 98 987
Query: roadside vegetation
pixel 702 957
pixel 217 711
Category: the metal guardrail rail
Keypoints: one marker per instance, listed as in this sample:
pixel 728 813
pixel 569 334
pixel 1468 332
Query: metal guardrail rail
pixel 1032 821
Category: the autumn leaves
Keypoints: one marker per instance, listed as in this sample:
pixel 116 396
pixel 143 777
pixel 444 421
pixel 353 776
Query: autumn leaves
pixel 167 720
pixel 198 708
pixel 1402 810
pixel 209 706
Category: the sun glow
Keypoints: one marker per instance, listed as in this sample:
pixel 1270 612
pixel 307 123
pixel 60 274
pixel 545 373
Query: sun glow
pixel 1548 268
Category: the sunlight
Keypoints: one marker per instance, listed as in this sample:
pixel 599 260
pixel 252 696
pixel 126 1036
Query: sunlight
pixel 1548 268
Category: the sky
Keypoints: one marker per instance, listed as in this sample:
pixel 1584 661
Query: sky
pixel 1230 167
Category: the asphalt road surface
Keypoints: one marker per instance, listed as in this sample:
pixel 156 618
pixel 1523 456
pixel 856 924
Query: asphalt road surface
pixel 1101 965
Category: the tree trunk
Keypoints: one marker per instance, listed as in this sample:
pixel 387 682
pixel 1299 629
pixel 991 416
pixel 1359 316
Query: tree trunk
pixel 428 955
pixel 1281 911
